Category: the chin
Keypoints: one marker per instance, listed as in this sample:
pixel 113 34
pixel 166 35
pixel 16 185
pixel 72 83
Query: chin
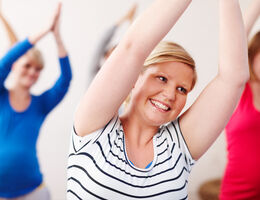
pixel 28 84
pixel 156 121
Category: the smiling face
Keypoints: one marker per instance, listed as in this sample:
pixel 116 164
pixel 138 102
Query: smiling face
pixel 27 70
pixel 160 92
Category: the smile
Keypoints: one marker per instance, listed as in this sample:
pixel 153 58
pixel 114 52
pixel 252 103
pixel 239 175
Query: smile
pixel 160 105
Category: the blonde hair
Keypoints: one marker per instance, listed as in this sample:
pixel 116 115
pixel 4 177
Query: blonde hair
pixel 253 50
pixel 169 52
pixel 36 55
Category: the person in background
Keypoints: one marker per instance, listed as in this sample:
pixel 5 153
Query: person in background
pixel 241 179
pixel 148 152
pixel 22 114
pixel 104 48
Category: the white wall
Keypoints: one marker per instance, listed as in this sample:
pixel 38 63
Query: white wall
pixel 83 22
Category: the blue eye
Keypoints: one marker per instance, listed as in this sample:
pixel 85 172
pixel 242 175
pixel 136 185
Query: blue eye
pixel 182 90
pixel 161 78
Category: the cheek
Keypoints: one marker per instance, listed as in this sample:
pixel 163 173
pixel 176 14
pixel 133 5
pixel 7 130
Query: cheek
pixel 256 68
pixel 37 73
pixel 20 71
pixel 256 65
pixel 181 102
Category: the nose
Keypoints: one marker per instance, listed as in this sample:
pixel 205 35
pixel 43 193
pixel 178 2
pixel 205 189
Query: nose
pixel 32 71
pixel 169 93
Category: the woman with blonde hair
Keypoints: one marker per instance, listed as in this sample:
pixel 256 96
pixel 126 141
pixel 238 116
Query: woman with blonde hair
pixel 148 152
pixel 22 114
pixel 242 176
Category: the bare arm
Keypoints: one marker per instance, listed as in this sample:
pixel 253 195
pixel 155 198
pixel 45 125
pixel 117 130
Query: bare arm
pixel 62 52
pixel 120 72
pixel 207 117
pixel 251 15
pixel 10 32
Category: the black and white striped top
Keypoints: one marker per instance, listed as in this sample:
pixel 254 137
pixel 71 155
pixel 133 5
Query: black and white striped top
pixel 98 166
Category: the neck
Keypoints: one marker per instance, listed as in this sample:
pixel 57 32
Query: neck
pixel 20 91
pixel 136 131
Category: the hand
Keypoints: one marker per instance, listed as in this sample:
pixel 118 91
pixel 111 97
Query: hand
pixel 54 22
pixel 55 28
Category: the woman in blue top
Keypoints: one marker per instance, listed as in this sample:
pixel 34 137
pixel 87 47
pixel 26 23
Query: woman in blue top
pixel 22 114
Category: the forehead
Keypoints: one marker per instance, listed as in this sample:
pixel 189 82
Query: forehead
pixel 29 58
pixel 172 69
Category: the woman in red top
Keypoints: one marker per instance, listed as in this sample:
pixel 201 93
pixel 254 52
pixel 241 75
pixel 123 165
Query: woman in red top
pixel 242 176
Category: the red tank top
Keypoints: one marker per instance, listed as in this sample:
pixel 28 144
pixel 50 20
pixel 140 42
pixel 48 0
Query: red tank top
pixel 242 176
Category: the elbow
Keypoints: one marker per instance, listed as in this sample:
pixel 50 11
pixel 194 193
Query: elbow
pixel 243 77
pixel 238 78
pixel 135 49
pixel 78 126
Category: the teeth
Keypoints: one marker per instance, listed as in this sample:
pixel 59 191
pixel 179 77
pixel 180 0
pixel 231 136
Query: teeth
pixel 160 105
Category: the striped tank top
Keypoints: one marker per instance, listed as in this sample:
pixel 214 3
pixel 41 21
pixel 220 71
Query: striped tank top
pixel 98 166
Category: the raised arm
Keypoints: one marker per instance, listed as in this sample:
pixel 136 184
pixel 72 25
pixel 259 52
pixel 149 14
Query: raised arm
pixel 120 72
pixel 251 15
pixel 6 62
pixel 10 32
pixel 207 117
pixel 62 52
pixel 55 94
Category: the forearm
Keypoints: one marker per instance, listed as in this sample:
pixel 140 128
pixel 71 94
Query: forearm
pixel 158 19
pixel 11 56
pixel 251 15
pixel 11 35
pixel 34 38
pixel 233 58
pixel 55 94
pixel 62 52
pixel 66 73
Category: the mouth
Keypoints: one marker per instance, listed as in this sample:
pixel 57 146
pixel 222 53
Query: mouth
pixel 160 106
